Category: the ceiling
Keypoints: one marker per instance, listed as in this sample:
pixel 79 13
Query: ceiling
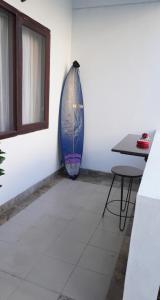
pixel 98 3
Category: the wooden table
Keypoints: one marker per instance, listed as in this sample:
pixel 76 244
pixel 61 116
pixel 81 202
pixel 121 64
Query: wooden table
pixel 128 146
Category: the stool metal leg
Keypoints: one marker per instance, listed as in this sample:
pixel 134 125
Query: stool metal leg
pixel 108 195
pixel 121 202
pixel 123 209
pixel 122 226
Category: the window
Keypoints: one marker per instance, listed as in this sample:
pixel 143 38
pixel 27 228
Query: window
pixel 24 73
pixel 6 71
pixel 33 53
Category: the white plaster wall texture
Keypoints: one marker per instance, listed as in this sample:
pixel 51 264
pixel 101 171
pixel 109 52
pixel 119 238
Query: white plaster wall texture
pixel 34 156
pixel 143 269
pixel 118 50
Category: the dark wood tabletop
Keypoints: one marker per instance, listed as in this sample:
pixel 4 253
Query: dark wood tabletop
pixel 128 146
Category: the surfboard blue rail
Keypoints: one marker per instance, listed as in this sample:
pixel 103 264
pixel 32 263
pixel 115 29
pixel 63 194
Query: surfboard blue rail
pixel 72 122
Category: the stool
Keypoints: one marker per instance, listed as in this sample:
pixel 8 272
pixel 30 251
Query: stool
pixel 124 172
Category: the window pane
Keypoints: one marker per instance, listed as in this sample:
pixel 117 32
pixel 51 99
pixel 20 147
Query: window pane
pixel 6 72
pixel 33 51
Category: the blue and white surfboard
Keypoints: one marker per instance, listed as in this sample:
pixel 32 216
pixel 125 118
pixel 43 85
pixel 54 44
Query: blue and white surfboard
pixel 72 122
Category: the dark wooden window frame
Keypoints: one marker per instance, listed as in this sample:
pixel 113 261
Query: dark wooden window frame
pixel 20 19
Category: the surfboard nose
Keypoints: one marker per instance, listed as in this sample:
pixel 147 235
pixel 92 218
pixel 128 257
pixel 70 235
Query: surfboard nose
pixel 76 64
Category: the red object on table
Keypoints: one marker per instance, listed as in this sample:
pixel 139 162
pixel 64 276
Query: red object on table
pixel 145 135
pixel 143 144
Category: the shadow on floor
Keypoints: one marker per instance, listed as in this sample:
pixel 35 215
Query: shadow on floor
pixel 117 283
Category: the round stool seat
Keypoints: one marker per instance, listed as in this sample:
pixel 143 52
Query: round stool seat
pixel 127 171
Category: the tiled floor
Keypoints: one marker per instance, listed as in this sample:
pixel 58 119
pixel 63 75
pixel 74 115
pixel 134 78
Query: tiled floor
pixel 59 245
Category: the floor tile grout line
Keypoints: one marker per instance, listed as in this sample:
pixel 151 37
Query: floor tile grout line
pixel 12 293
pixel 111 252
pixel 87 244
pixel 93 271
pixel 42 286
pixel 29 281
pixel 11 275
pixel 25 279
pixel 43 252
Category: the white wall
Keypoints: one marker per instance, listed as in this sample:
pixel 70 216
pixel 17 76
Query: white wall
pixel 97 3
pixel 34 156
pixel 119 52
pixel 143 269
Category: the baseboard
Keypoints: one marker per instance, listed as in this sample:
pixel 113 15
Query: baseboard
pixel 16 204
pixel 105 178
pixel 90 172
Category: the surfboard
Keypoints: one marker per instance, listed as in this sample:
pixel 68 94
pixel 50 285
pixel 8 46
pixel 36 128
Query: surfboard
pixel 72 122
